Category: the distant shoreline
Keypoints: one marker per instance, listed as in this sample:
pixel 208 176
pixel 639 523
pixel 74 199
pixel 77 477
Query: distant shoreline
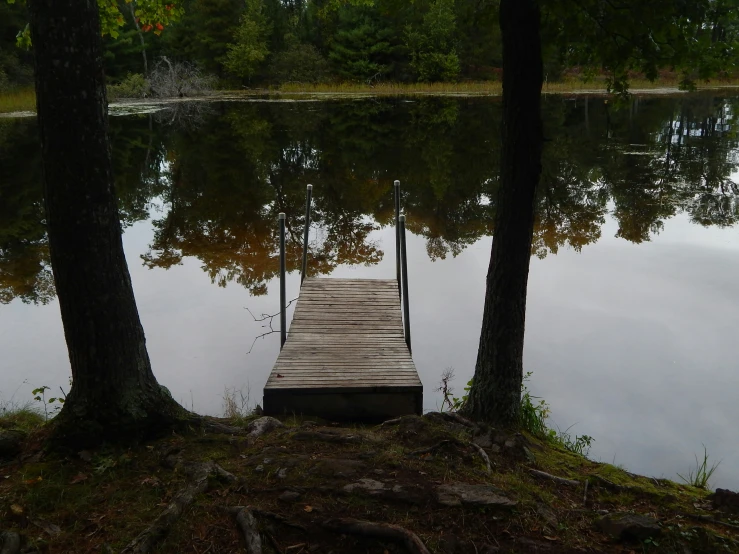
pixel 21 104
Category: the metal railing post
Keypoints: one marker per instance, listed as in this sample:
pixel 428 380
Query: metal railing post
pixel 309 194
pixel 283 315
pixel 404 264
pixel 397 233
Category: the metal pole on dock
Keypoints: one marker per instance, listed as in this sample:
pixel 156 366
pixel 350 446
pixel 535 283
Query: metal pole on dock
pixel 309 194
pixel 397 233
pixel 283 315
pixel 404 263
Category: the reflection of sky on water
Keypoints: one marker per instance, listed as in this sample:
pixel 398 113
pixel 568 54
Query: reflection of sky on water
pixel 633 343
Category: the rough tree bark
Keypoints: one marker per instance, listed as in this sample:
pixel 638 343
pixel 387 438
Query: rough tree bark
pixel 496 391
pixel 114 393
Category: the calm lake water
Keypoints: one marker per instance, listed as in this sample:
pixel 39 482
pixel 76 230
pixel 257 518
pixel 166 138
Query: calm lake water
pixel 632 310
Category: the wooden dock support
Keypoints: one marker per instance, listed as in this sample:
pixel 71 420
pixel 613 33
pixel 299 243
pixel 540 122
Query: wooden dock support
pixel 346 356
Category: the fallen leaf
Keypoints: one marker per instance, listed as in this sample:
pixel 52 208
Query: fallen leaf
pixel 78 478
pixel 16 509
pixel 47 526
pixel 551 538
pixel 153 481
pixel 308 509
pixel 33 481
pixel 280 376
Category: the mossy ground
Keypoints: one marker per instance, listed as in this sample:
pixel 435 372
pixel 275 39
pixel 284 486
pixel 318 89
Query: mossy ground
pixel 98 501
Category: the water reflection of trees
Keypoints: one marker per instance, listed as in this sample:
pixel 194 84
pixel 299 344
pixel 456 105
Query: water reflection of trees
pixel 213 191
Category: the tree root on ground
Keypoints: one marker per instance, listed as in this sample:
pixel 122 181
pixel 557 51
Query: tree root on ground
pixel 10 543
pixel 432 448
pixel 712 520
pixel 453 417
pixel 455 442
pixel 265 513
pixel 382 531
pixel 217 427
pixel 483 455
pixel 550 477
pixel 390 422
pixel 248 525
pixel 327 437
pixel 200 473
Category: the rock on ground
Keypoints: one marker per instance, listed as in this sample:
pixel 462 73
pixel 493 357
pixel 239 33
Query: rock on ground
pixel 456 494
pixel 629 527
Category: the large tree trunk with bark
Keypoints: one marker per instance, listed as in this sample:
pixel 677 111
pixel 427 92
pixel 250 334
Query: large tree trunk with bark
pixel 114 393
pixel 496 391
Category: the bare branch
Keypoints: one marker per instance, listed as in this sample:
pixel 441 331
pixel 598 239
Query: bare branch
pixel 268 318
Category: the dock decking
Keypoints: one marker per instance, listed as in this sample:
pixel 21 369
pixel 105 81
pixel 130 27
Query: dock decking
pixel 345 356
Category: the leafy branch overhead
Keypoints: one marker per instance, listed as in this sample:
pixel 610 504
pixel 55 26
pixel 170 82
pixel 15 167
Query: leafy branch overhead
pixel 151 15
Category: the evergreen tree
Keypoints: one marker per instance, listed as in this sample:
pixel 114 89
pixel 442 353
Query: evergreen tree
pixel 361 47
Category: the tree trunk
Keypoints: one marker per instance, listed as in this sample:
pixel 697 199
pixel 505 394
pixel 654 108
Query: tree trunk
pixel 114 393
pixel 496 391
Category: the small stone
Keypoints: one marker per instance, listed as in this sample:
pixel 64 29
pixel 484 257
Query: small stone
pixel 378 471
pixel 259 469
pixel 332 467
pixel 11 443
pixel 369 485
pixel 263 425
pixel 282 473
pixel 456 494
pixel 547 515
pixel 289 496
pixel 267 461
pixel 629 527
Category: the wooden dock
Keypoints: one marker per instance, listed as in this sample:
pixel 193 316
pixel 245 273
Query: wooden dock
pixel 345 356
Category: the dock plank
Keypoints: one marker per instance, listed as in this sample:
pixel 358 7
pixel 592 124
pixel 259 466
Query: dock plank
pixel 345 354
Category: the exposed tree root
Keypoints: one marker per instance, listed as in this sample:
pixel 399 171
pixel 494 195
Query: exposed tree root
pixel 456 442
pixel 200 473
pixel 550 477
pixel 248 525
pixel 214 426
pixel 390 422
pixel 453 417
pixel 483 455
pixel 432 448
pixel 253 430
pixel 383 531
pixel 325 436
pixel 265 513
pixel 10 543
pixel 714 521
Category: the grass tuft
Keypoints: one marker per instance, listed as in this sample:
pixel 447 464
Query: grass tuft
pixel 236 404
pixel 699 476
pixel 24 417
